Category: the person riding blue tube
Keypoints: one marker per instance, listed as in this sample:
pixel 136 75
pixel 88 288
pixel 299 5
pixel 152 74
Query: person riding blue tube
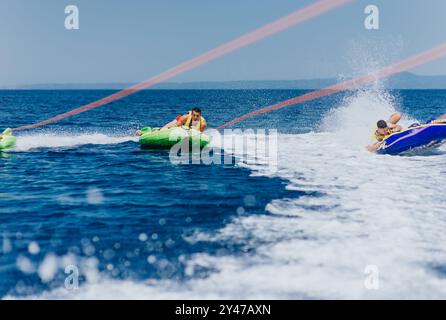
pixel 385 129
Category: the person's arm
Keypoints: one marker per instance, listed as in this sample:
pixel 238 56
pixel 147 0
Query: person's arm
pixel 203 125
pixel 395 128
pixel 141 131
pixel 374 147
pixel 182 121
pixel 169 125
pixel 394 118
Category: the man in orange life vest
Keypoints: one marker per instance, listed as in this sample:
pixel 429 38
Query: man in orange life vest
pixel 192 120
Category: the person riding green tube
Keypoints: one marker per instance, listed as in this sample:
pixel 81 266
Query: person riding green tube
pixel 193 120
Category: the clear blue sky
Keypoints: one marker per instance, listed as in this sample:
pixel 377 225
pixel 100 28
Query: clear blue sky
pixel 129 41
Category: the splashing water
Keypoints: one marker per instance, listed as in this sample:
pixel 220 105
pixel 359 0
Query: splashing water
pixel 53 140
pixel 359 210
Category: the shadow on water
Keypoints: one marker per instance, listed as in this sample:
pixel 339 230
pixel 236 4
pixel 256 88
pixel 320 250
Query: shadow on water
pixel 431 151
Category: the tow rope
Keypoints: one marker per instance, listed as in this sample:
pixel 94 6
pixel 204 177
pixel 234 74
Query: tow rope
pixel 281 24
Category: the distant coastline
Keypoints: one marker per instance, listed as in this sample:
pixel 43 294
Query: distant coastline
pixel 405 80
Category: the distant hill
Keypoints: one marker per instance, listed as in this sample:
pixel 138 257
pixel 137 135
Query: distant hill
pixel 405 80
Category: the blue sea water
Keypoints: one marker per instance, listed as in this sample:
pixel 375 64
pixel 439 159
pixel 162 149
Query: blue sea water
pixel 81 192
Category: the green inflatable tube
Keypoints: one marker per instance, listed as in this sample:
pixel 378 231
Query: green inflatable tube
pixel 154 138
pixel 7 140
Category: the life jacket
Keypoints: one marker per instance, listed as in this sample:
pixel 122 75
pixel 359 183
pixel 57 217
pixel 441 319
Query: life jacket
pixel 381 138
pixel 189 122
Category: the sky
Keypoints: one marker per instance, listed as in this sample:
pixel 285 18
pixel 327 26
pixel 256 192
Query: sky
pixel 130 41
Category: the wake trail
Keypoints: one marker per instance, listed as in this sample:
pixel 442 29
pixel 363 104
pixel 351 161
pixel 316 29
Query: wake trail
pixel 39 141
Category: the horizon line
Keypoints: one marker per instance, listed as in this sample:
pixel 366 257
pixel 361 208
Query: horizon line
pixel 332 78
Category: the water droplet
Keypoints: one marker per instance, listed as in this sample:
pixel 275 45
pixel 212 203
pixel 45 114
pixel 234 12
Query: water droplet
pixel 240 210
pixel 95 196
pixel 24 264
pixel 151 259
pixel 48 268
pixel 7 245
pixel 33 248
pixel 143 237
pixel 249 200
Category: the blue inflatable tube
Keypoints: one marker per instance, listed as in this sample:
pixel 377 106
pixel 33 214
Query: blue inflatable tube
pixel 423 136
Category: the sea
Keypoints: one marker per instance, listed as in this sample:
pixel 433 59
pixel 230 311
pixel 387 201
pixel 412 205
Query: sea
pixel 85 213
